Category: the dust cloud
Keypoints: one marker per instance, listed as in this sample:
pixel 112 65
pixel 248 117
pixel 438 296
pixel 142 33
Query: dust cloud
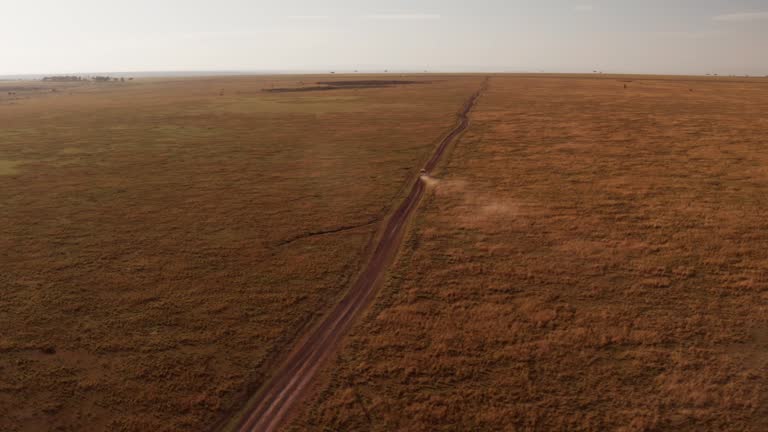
pixel 475 208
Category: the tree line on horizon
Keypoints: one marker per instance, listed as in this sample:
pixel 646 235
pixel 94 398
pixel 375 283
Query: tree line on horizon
pixel 73 78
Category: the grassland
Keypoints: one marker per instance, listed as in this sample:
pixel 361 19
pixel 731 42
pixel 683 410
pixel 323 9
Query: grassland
pixel 591 257
pixel 165 241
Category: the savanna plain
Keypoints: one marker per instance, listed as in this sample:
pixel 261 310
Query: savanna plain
pixel 164 242
pixel 591 257
pixel 591 254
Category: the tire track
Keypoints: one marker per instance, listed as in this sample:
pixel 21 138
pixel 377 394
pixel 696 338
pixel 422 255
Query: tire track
pixel 270 406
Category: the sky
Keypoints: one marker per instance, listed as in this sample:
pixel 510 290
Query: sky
pixel 616 36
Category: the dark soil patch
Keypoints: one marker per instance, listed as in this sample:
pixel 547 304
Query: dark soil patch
pixel 369 83
pixel 18 88
pixel 341 85
pixel 299 89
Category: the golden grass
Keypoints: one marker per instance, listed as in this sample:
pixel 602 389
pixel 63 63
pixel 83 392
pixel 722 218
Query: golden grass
pixel 9 167
pixel 590 258
pixel 145 280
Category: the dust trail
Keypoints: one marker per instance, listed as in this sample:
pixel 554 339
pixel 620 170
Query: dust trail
pixel 478 208
pixel 431 182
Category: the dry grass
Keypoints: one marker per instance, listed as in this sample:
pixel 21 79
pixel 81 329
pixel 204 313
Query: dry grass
pixel 591 258
pixel 146 282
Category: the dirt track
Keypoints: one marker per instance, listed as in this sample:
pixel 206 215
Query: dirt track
pixel 271 405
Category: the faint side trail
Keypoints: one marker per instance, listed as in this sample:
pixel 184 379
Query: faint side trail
pixel 270 406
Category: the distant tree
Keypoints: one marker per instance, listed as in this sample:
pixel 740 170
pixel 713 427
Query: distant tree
pixel 62 78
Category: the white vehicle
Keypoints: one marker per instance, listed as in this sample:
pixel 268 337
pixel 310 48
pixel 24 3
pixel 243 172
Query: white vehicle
pixel 423 172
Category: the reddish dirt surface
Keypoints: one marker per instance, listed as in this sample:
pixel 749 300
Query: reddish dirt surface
pixel 271 405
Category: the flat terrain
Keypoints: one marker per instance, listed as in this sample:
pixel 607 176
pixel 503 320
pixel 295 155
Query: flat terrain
pixel 590 257
pixel 292 377
pixel 164 242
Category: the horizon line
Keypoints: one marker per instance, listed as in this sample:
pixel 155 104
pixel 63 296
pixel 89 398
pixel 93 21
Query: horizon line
pixel 345 71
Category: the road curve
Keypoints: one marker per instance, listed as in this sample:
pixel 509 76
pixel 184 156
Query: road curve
pixel 270 406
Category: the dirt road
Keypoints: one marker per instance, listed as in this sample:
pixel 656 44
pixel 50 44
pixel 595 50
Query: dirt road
pixel 270 406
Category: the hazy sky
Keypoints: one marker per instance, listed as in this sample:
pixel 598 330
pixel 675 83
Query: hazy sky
pixel 664 36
